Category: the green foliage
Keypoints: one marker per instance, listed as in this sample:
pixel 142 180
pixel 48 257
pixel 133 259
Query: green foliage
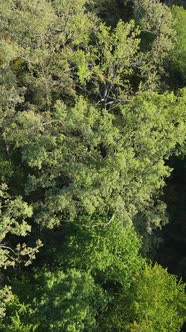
pixel 84 143
pixel 178 58
pixel 63 301
pixel 107 68
pixel 14 214
pixel 97 244
pixel 159 303
pixel 155 302
pixel 6 297
pixel 5 167
pixel 116 160
pixel 90 264
pixel 98 282
pixel 111 11
pixel 39 53
pixel 158 38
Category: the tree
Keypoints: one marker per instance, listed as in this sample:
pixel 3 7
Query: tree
pixel 98 281
pixel 88 266
pixel 116 160
pixel 159 303
pixel 155 302
pixel 157 37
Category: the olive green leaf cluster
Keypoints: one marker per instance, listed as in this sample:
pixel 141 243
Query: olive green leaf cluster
pixel 116 159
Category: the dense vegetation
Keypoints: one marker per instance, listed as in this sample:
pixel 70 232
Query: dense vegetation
pixel 92 135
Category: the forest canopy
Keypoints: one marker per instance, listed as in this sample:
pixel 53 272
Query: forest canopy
pixel 92 110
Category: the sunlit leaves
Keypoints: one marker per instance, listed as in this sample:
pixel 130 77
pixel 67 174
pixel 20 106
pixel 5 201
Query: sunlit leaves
pixel 14 213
